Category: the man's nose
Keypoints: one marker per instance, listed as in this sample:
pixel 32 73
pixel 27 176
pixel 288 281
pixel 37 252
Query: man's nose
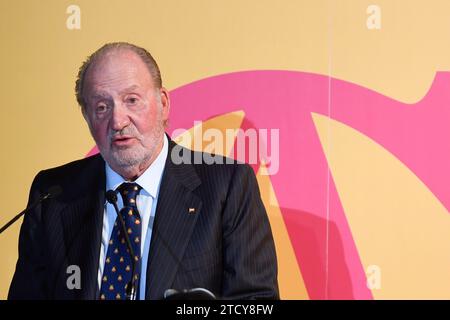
pixel 120 118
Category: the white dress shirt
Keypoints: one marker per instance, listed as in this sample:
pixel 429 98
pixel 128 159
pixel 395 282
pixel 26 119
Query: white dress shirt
pixel 146 203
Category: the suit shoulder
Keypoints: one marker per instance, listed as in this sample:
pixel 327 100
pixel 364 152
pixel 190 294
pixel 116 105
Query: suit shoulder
pixel 69 173
pixel 75 166
pixel 220 167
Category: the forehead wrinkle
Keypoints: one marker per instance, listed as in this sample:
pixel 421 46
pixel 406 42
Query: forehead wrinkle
pixel 104 86
pixel 116 66
pixel 109 76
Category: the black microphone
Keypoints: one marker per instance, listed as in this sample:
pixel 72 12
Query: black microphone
pixel 111 197
pixel 52 192
pixel 189 294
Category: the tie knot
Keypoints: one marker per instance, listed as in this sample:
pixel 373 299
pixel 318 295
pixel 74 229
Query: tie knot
pixel 129 192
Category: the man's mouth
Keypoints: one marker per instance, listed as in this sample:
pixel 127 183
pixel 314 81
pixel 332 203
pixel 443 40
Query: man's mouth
pixel 122 140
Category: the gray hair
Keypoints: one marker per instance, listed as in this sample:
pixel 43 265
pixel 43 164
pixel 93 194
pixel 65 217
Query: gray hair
pixel 141 52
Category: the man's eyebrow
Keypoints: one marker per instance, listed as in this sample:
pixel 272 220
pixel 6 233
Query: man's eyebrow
pixel 102 95
pixel 98 96
pixel 131 88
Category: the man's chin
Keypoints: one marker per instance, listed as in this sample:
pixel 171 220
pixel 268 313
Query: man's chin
pixel 127 158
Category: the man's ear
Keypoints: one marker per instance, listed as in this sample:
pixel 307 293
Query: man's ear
pixel 165 101
pixel 85 116
pixel 83 112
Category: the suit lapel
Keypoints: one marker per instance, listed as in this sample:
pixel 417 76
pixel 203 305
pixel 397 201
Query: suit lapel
pixel 174 223
pixel 82 220
pixel 82 226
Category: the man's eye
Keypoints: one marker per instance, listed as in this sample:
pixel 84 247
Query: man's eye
pixel 132 100
pixel 101 108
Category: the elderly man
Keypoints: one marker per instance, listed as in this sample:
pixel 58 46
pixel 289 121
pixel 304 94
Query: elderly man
pixel 164 226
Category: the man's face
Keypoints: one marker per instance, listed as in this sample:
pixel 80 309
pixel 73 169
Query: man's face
pixel 124 110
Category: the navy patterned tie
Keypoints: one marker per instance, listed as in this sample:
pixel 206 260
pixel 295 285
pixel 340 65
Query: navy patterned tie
pixel 117 271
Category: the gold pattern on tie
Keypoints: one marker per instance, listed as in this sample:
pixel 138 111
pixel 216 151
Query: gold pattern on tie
pixel 118 253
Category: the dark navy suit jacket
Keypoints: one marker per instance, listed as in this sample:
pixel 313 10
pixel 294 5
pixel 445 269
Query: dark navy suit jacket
pixel 225 246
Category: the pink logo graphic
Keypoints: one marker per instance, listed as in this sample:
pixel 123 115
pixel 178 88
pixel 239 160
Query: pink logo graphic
pixel 416 134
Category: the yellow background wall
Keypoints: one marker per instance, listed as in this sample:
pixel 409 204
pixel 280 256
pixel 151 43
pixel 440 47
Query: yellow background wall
pixel 39 58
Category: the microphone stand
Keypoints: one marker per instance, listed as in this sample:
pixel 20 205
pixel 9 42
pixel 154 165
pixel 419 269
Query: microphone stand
pixel 52 193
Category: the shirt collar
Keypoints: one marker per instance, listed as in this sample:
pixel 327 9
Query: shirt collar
pixel 150 178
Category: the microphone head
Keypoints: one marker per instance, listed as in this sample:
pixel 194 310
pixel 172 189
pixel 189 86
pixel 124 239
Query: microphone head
pixel 189 294
pixel 54 191
pixel 111 196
